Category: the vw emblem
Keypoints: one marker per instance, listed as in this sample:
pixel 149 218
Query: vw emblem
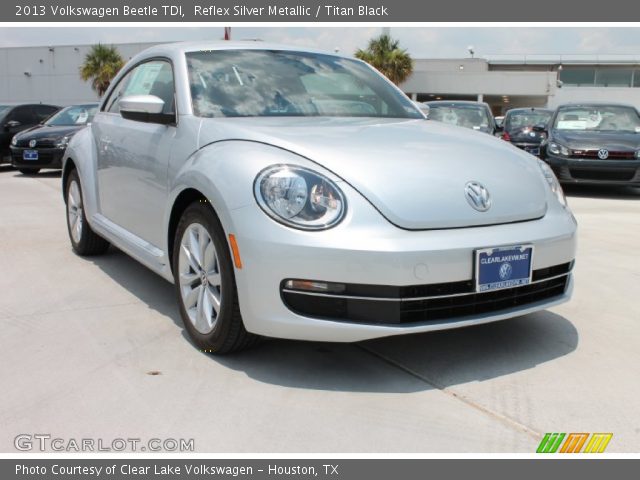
pixel 505 271
pixel 478 196
pixel 603 154
pixel 32 143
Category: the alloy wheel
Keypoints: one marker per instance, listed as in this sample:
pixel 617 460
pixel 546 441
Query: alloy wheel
pixel 74 211
pixel 199 278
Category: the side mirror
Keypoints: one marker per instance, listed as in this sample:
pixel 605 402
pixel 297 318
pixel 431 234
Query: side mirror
pixel 541 127
pixel 145 108
pixel 11 124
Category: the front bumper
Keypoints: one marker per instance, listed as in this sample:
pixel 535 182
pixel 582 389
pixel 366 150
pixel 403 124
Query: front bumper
pixel 373 252
pixel 596 172
pixel 47 158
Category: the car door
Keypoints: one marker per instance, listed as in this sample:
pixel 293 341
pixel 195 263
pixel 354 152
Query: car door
pixel 133 156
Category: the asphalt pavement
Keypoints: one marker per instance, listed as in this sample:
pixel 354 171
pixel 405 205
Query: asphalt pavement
pixel 94 348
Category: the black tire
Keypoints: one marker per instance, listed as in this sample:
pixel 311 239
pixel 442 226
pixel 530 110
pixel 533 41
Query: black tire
pixel 29 171
pixel 228 334
pixel 89 242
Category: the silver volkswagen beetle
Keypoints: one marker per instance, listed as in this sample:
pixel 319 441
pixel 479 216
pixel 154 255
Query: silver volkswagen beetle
pixel 297 194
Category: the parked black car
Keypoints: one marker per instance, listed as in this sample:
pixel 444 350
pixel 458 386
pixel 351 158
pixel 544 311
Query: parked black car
pixel 525 128
pixel 594 143
pixel 16 118
pixel 473 115
pixel 42 146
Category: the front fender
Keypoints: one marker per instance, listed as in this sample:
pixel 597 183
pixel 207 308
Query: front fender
pixel 224 172
pixel 83 153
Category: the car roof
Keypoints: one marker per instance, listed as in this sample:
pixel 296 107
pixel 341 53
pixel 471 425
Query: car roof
pixel 455 102
pixel 92 104
pixel 28 104
pixel 528 109
pixel 595 104
pixel 187 47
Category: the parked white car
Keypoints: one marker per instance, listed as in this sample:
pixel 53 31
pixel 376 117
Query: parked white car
pixel 298 194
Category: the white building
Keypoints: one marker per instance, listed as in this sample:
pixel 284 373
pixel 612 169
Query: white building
pixel 531 81
pixel 51 75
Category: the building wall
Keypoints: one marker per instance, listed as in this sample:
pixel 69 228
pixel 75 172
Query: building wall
pixel 53 77
pixel 595 94
pixel 53 73
pixel 478 82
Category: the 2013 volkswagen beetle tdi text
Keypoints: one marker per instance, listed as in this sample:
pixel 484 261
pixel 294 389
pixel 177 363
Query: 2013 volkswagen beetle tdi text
pixel 296 194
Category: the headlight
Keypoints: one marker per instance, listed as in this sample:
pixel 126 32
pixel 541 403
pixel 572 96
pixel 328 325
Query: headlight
pixel 14 140
pixel 553 182
pixel 62 143
pixel 558 149
pixel 299 197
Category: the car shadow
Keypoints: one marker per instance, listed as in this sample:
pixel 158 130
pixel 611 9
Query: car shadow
pixel 41 174
pixel 602 191
pixel 401 364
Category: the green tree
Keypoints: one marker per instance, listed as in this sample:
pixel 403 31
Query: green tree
pixel 101 64
pixel 384 54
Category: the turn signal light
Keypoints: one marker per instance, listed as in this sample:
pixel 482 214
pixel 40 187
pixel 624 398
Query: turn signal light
pixel 313 286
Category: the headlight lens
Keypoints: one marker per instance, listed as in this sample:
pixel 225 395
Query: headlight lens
pixel 558 149
pixel 299 197
pixel 14 140
pixel 63 142
pixel 553 182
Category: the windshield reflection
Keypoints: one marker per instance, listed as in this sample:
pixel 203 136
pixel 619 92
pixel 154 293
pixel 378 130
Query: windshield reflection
pixel 261 83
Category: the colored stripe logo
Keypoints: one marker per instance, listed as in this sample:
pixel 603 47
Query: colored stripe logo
pixel 573 443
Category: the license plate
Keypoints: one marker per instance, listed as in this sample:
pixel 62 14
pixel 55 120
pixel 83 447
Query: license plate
pixel 503 267
pixel 30 155
pixel 533 151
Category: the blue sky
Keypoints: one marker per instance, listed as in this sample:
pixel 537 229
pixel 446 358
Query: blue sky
pixel 420 41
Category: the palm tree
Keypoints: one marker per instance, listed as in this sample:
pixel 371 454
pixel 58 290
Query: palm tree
pixel 101 64
pixel 385 54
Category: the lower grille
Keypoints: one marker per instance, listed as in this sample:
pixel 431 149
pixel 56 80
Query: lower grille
pixel 446 301
pixel 45 157
pixel 619 175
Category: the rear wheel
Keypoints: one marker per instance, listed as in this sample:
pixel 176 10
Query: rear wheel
pixel 29 171
pixel 205 283
pixel 83 239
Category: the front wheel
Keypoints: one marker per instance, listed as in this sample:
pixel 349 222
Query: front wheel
pixel 83 239
pixel 205 283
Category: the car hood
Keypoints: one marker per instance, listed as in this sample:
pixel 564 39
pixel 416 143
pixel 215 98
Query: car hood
pixel 45 132
pixel 617 141
pixel 414 172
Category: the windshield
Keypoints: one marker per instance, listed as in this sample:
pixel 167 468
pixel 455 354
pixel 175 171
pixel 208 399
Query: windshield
pixel 2 109
pixel 601 118
pixel 469 116
pixel 75 115
pixel 526 119
pixel 260 83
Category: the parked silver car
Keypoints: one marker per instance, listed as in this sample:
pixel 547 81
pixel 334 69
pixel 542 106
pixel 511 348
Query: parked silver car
pixel 297 194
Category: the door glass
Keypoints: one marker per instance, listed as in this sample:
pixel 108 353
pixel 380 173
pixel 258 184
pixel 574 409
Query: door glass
pixel 150 78
pixel 24 115
pixel 43 112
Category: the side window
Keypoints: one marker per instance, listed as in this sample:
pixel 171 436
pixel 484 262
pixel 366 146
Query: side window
pixel 116 94
pixel 23 114
pixel 150 78
pixel 43 112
